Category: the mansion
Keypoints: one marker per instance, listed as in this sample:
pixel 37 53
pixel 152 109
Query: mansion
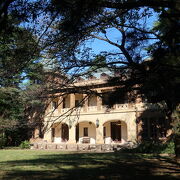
pixel 77 118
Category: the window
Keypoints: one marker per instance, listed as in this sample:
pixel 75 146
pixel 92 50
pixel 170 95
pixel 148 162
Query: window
pixel 162 123
pixel 153 128
pixel 64 102
pixel 145 129
pixel 106 98
pixel 85 131
pixel 54 105
pixel 114 97
pixel 121 99
pixel 76 103
pixel 92 100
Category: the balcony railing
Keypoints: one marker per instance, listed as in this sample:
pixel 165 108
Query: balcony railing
pixel 92 108
pixel 64 110
pixel 95 109
pixel 54 112
pixel 77 109
pixel 121 106
pixel 145 106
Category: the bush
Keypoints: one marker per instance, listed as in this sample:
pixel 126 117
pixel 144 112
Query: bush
pixel 169 149
pixel 153 147
pixel 24 145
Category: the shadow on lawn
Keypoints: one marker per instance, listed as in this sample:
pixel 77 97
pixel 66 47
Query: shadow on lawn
pixel 95 166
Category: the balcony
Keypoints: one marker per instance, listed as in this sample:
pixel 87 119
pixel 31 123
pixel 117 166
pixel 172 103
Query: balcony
pixel 74 103
pixel 95 109
pixel 103 108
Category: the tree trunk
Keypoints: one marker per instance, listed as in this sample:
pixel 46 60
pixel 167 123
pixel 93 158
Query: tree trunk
pixel 177 147
pixel 175 117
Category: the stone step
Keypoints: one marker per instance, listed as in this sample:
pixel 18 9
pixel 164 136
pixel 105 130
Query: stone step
pixel 78 147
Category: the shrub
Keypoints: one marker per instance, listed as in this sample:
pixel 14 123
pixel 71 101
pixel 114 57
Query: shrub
pixel 24 145
pixel 153 147
pixel 169 149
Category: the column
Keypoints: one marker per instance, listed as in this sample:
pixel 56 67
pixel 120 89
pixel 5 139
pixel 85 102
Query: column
pixel 48 135
pixel 99 102
pixel 85 106
pixel 72 135
pixel 60 104
pixel 131 127
pixel 139 126
pixel 99 134
pixel 72 100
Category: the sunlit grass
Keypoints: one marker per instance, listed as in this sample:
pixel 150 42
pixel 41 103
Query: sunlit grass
pixel 41 164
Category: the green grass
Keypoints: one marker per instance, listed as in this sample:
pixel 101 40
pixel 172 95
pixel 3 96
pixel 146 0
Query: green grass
pixel 37 164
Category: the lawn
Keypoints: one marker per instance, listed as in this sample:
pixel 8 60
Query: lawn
pixel 38 164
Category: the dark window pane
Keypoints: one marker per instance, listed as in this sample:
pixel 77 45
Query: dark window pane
pixel 54 104
pixel 85 131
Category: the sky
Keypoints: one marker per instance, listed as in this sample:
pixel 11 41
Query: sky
pixel 99 45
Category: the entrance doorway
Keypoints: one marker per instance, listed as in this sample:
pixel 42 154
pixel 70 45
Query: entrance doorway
pixel 77 132
pixel 116 131
pixel 65 132
pixel 86 132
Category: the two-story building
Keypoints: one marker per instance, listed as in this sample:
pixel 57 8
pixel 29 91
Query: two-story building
pixel 78 118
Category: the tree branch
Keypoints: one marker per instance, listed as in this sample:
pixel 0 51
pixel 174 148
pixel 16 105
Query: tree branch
pixel 136 3
pixel 106 40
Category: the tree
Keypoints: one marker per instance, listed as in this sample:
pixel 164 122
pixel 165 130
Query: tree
pixel 69 24
pixel 18 50
pixel 77 21
pixel 12 123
